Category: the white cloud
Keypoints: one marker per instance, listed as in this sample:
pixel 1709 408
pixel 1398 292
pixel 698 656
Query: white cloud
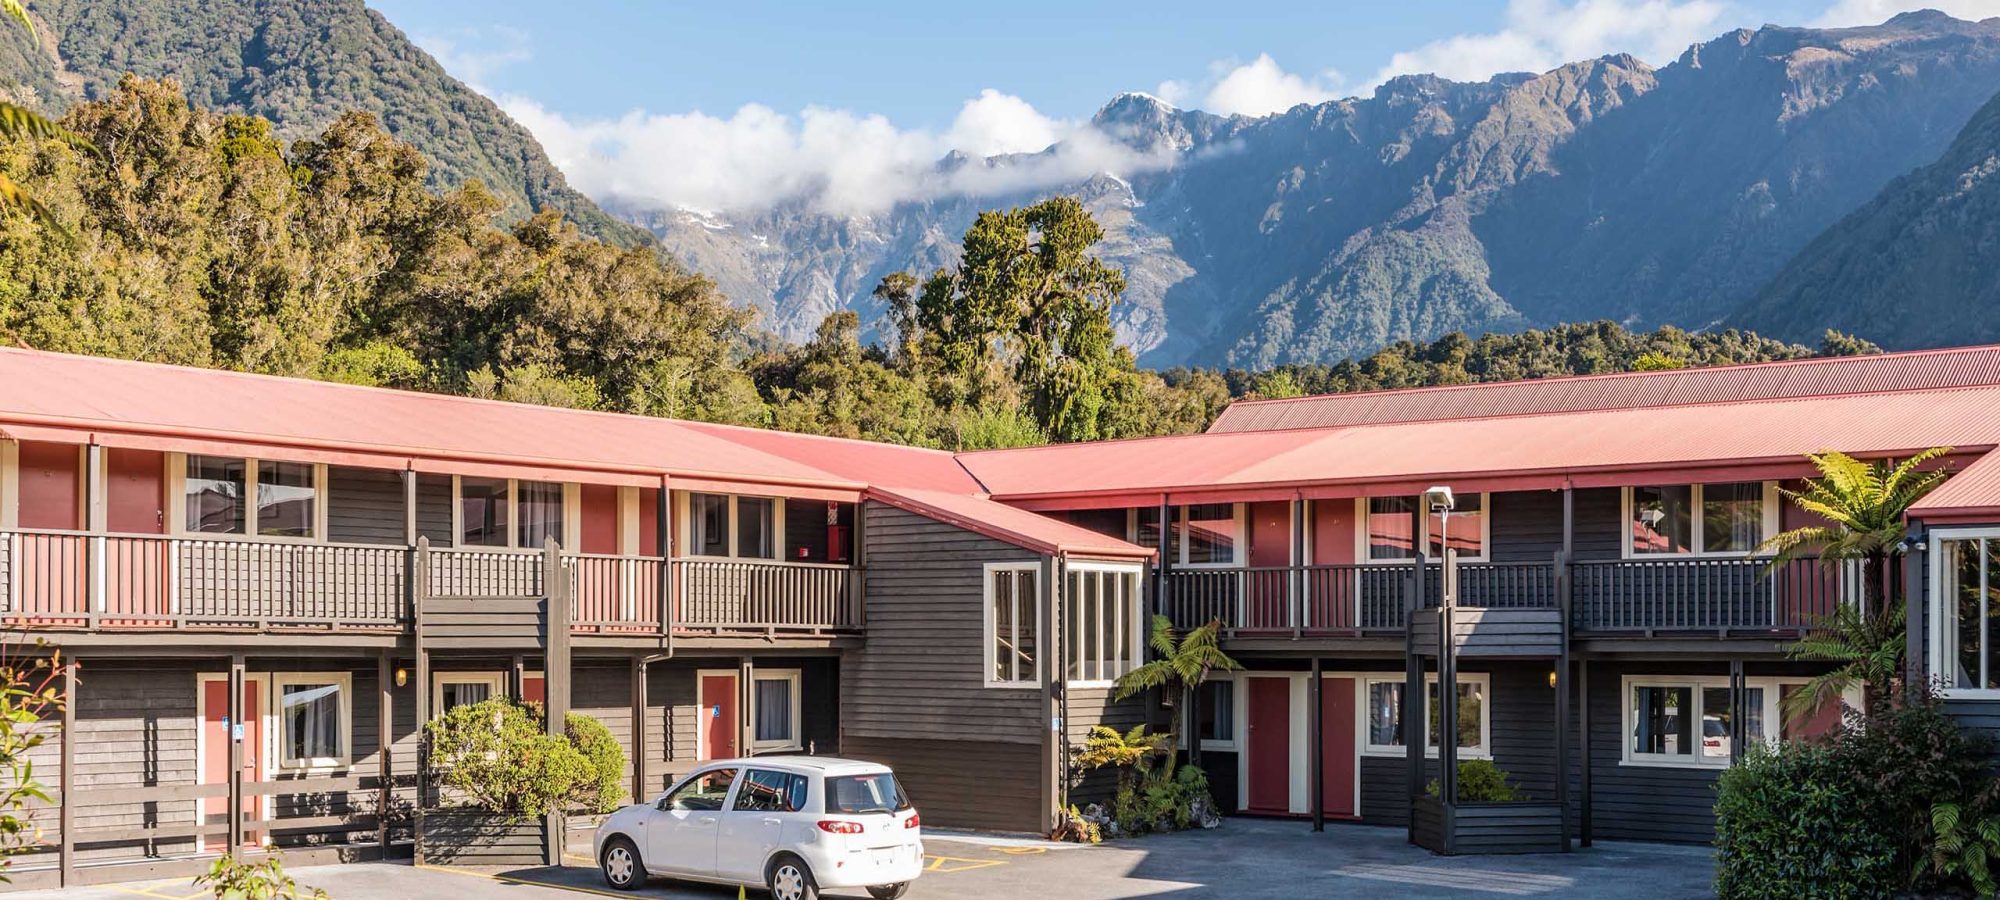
pixel 837 160
pixel 1542 34
pixel 1871 12
pixel 475 53
pixel 1258 88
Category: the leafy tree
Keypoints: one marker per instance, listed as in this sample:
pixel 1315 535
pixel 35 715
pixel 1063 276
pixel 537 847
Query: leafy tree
pixel 1180 662
pixel 496 755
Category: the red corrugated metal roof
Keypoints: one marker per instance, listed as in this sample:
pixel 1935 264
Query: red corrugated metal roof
pixel 1975 488
pixel 1916 370
pixel 1604 440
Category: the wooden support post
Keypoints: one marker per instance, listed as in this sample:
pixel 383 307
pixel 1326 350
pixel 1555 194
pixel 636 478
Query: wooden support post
pixel 1413 706
pixel 1916 568
pixel 663 539
pixel 517 679
pixel 1583 750
pixel 639 728
pixel 1738 692
pixel 236 726
pixel 1295 580
pixel 556 674
pixel 410 507
pixel 66 782
pixel 746 713
pixel 1317 767
pixel 1562 695
pixel 385 771
pixel 96 520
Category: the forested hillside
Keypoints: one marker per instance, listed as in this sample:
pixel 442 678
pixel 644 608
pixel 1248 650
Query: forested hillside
pixel 300 64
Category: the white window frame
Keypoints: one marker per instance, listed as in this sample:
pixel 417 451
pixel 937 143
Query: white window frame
pixel 1133 613
pixel 796 713
pixel 345 681
pixel 1361 514
pixel 496 681
pixel 572 494
pixel 1696 539
pixel 683 511
pixel 1034 678
pixel 177 464
pixel 1239 550
pixel 1482 682
pixel 1774 724
pixel 1233 686
pixel 1943 613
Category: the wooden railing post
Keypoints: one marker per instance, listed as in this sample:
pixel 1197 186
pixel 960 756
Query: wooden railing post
pixel 66 782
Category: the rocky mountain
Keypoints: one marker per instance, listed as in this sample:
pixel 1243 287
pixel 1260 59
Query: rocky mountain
pixel 1602 189
pixel 298 63
pixel 1917 266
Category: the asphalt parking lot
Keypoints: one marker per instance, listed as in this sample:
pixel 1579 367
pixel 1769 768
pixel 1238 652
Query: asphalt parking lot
pixel 1246 858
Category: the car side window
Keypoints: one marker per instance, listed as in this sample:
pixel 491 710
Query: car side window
pixel 704 792
pixel 767 791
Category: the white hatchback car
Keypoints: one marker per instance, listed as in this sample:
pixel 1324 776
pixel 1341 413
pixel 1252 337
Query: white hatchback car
pixel 794 824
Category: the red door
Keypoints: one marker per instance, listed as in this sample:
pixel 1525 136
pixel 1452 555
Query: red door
pixel 1271 552
pixel 535 689
pixel 718 716
pixel 1336 718
pixel 135 502
pixel 216 733
pixel 1270 752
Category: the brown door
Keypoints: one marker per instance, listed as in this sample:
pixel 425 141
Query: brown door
pixel 135 491
pixel 718 716
pixel 217 731
pixel 1337 768
pixel 1266 587
pixel 135 502
pixel 1270 751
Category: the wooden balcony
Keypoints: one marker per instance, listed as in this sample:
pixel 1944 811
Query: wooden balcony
pixel 1641 597
pixel 74 581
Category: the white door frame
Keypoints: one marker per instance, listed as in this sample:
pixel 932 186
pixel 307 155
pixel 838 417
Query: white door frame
pixel 265 750
pixel 1301 735
pixel 701 709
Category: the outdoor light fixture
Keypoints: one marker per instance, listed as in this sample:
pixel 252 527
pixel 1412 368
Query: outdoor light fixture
pixel 1439 499
pixel 402 676
pixel 1552 678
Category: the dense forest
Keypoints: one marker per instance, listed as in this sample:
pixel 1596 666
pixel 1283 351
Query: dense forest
pixel 192 237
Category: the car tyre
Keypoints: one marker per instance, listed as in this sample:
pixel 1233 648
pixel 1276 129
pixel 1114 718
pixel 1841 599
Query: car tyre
pixel 789 878
pixel 621 865
pixel 889 891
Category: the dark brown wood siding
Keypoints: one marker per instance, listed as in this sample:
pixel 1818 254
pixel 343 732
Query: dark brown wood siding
pixel 963 784
pixel 434 501
pixel 364 506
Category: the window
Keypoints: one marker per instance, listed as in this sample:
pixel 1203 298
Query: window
pixel 1146 532
pixel 775 706
pixel 1100 622
pixel 855 794
pixel 1215 720
pixel 1013 624
pixel 1965 575
pixel 702 793
pixel 1206 535
pixel 1464 529
pixel 732 526
pixel 541 516
pixel 456 690
pixel 214 495
pixel 482 512
pixel 312 720
pixel 1729 519
pixel 1688 720
pixel 766 791
pixel 1385 715
pixel 285 499
pixel 1391 528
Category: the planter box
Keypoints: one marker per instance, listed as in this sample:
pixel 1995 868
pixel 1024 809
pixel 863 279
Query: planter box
pixel 473 838
pixel 1525 827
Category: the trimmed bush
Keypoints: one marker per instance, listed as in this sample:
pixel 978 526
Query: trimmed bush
pixel 1480 781
pixel 605 787
pixel 1788 823
pixel 495 756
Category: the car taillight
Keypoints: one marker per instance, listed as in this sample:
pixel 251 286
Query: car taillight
pixel 836 826
pixel 914 820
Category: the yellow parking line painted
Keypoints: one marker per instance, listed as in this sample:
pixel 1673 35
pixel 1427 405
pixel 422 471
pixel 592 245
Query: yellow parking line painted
pixel 946 865
pixel 1023 851
pixel 507 879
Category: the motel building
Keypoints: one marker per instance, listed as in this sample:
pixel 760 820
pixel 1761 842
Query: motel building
pixel 268 583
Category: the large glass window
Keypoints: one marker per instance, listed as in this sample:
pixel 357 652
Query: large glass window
pixel 312 718
pixel 1684 721
pixel 482 512
pixel 1662 720
pixel 710 522
pixel 1385 715
pixel 1968 577
pixel 1727 518
pixel 776 710
pixel 756 528
pixel 454 691
pixel 1147 532
pixel 1013 628
pixel 1100 622
pixel 1209 531
pixel 1392 528
pixel 1464 528
pixel 1216 719
pixel 285 499
pixel 541 515
pixel 724 525
pixel 214 497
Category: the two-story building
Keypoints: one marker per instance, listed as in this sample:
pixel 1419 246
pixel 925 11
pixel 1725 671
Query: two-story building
pixel 269 582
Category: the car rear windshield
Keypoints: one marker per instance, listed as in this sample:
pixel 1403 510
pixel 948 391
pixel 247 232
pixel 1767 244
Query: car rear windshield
pixel 855 794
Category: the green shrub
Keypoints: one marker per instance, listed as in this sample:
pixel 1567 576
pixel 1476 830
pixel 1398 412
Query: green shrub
pixel 605 787
pixel 494 756
pixel 1789 823
pixel 234 879
pixel 1480 781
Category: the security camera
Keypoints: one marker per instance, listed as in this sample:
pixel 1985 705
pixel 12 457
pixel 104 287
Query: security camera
pixel 1439 498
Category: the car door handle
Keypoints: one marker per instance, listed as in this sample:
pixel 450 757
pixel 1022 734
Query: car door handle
pixel 774 821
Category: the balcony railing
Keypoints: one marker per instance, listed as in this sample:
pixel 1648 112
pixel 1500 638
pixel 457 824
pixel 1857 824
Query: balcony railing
pixel 73 580
pixel 1705 594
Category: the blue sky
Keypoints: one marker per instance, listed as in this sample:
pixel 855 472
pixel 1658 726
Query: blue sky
pixel 754 103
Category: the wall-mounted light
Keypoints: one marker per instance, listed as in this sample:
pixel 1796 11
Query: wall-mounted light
pixel 1552 678
pixel 402 676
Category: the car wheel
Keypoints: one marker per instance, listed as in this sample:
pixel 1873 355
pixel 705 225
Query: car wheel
pixel 889 891
pixel 790 879
pixel 621 865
